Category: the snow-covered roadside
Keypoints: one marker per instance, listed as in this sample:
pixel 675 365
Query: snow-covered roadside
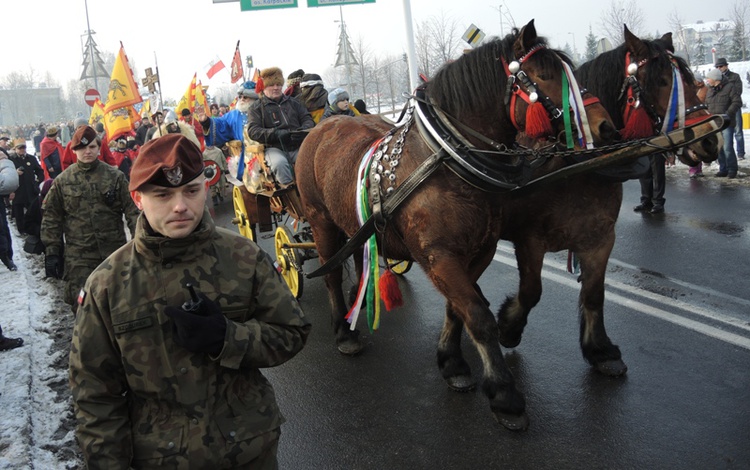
pixel 36 418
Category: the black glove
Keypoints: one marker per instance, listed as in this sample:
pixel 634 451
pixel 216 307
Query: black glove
pixel 201 331
pixel 283 136
pixel 53 266
pixel 298 137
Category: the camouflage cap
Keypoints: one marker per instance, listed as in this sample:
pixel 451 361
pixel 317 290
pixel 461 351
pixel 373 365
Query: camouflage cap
pixel 83 136
pixel 171 161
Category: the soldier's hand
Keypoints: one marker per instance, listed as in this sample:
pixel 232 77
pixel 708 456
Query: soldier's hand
pixel 53 266
pixel 202 331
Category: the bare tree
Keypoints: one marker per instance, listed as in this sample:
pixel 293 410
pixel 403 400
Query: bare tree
pixel 423 48
pixel 362 56
pixel 619 13
pixel 446 38
pixel 740 16
pixel 676 23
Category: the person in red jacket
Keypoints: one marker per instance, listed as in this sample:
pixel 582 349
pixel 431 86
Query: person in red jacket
pixel 50 153
pixel 187 117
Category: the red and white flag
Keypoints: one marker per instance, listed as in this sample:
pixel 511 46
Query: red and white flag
pixel 236 71
pixel 214 67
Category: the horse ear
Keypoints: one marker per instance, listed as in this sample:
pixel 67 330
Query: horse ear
pixel 526 38
pixel 667 40
pixel 634 44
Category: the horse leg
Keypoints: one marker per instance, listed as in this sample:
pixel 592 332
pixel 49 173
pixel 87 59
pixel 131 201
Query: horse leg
pixel 468 307
pixel 453 367
pixel 596 346
pixel 513 314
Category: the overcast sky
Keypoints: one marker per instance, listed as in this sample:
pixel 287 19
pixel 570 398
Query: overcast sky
pixel 187 34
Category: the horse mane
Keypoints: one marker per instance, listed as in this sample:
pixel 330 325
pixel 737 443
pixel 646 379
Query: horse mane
pixel 476 81
pixel 609 67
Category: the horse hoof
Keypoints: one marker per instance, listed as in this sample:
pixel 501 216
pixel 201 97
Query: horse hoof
pixel 613 368
pixel 509 342
pixel 349 347
pixel 461 383
pixel 513 422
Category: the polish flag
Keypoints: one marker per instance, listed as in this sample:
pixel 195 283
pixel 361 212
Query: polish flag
pixel 214 67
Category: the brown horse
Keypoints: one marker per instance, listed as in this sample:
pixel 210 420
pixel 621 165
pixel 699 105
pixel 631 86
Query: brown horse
pixel 447 225
pixel 579 214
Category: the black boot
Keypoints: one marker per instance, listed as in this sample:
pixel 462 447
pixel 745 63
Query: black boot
pixel 8 263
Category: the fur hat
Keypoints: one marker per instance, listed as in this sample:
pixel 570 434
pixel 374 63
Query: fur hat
pixel 83 136
pixel 272 76
pixel 720 62
pixel 714 74
pixel 338 94
pixel 52 131
pixel 170 161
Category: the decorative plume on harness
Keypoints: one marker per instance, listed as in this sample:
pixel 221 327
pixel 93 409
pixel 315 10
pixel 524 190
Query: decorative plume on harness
pixel 570 88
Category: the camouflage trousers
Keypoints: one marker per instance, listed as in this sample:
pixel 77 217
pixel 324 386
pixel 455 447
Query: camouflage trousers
pixel 75 278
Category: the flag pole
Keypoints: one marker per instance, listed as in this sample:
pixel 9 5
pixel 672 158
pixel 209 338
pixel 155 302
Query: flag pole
pixel 158 82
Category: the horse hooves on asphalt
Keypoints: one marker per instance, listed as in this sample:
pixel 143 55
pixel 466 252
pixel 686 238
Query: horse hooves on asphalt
pixel 461 383
pixel 513 422
pixel 349 347
pixel 613 368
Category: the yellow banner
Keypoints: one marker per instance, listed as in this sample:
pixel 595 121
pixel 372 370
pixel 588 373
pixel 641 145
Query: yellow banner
pixel 97 113
pixel 201 103
pixel 123 91
pixel 119 121
pixel 188 99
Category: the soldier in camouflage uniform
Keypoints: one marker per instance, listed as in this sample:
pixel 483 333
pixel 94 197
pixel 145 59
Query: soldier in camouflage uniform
pixel 160 384
pixel 85 204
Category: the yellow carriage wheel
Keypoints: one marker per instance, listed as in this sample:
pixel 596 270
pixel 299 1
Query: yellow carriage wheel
pixel 289 261
pixel 399 267
pixel 241 219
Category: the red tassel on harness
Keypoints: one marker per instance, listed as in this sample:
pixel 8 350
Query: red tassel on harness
pixel 639 125
pixel 390 293
pixel 538 124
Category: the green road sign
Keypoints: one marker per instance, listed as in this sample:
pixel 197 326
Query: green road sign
pixel 250 5
pixel 325 3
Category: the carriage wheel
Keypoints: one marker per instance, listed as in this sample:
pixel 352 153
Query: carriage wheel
pixel 290 263
pixel 398 266
pixel 241 219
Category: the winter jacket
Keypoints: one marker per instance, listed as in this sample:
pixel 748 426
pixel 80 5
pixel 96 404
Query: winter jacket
pixel 332 110
pixel 736 80
pixel 29 181
pixel 315 99
pixel 8 176
pixel 50 157
pixel 141 400
pixel 267 116
pixel 86 204
pixel 723 99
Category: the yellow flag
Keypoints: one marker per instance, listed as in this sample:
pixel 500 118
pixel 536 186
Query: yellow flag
pixel 123 91
pixel 97 113
pixel 119 121
pixel 146 109
pixel 201 103
pixel 188 99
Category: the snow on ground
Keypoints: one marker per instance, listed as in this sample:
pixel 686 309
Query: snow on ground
pixel 35 404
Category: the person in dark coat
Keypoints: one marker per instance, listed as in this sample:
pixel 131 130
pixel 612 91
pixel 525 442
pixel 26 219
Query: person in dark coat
pixel 33 243
pixel 360 106
pixel 313 95
pixel 30 175
pixel 723 98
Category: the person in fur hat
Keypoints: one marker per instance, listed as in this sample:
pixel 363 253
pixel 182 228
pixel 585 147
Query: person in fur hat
pixel 280 123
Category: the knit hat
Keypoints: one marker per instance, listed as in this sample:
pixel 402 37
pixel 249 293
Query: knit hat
pixel 338 94
pixel 272 76
pixel 247 89
pixel 52 131
pixel 294 77
pixel 170 161
pixel 310 79
pixel 83 136
pixel 714 74
pixel 80 122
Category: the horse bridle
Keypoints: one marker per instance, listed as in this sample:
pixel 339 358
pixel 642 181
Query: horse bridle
pixel 530 93
pixel 634 92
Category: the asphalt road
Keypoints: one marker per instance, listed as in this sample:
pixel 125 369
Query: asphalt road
pixel 677 304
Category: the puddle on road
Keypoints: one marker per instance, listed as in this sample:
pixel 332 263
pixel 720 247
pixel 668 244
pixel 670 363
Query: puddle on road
pixel 722 228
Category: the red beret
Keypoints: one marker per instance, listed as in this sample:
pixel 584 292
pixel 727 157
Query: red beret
pixel 83 136
pixel 171 161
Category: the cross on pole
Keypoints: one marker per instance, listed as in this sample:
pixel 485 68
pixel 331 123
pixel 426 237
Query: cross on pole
pixel 150 80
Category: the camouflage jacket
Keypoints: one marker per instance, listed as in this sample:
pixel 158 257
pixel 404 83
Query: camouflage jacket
pixel 86 203
pixel 143 401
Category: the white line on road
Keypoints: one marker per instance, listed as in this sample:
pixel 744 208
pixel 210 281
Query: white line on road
pixel 693 325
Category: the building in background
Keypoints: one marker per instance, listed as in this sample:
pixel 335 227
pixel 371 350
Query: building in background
pixel 20 106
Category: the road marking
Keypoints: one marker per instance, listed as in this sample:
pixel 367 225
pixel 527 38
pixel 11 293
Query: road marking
pixel 693 325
